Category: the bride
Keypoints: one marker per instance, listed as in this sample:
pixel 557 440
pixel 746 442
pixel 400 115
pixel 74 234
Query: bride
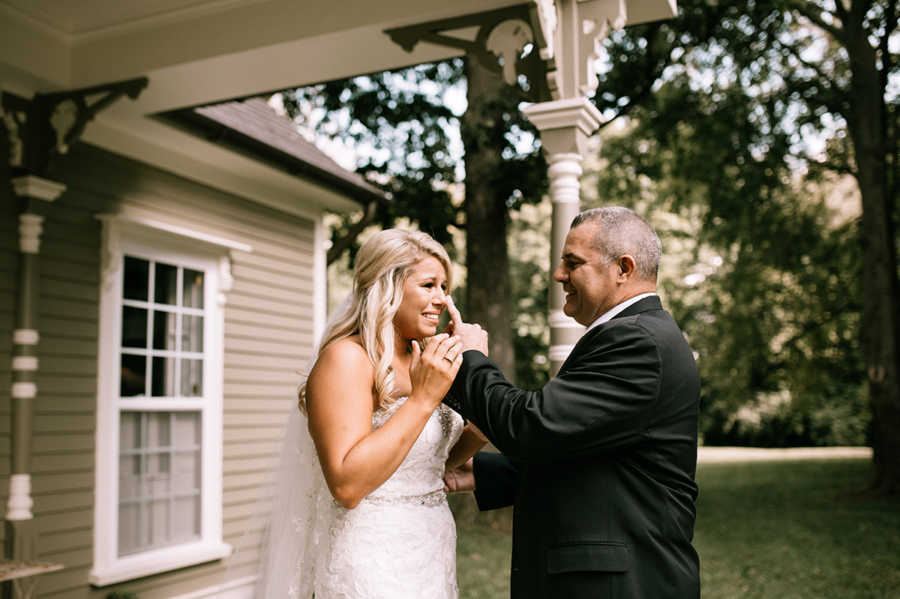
pixel 359 509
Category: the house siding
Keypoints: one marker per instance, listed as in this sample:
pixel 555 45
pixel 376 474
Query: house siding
pixel 268 337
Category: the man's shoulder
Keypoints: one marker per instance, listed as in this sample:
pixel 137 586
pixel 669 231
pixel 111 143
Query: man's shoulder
pixel 644 331
pixel 639 323
pixel 620 336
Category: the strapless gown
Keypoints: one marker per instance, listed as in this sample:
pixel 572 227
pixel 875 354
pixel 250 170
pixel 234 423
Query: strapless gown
pixel 400 541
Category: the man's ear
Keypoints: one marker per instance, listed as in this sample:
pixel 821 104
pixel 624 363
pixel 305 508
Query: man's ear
pixel 627 267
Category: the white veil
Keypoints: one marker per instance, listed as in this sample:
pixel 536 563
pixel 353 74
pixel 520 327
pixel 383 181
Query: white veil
pixel 289 545
pixel 294 538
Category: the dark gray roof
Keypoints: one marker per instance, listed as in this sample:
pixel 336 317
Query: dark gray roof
pixel 255 126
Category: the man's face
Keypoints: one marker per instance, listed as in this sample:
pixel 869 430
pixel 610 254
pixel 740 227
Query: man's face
pixel 588 280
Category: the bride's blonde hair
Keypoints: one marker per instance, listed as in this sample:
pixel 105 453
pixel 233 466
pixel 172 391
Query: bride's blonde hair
pixel 382 266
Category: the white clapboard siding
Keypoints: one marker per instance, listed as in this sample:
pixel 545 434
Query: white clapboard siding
pixel 268 340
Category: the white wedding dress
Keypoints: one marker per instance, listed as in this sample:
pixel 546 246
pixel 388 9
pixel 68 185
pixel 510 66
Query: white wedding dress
pixel 398 543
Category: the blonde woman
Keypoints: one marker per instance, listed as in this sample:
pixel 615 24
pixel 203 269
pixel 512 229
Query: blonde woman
pixel 361 510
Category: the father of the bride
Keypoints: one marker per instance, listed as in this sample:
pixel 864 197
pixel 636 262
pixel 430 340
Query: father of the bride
pixel 600 463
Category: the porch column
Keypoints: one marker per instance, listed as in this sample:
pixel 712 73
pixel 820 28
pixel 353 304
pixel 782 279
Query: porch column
pixel 36 193
pixel 564 126
pixel 569 34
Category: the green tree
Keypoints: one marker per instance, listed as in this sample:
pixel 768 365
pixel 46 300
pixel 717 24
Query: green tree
pixel 731 97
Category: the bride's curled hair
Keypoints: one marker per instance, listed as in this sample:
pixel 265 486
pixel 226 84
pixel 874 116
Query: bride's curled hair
pixel 382 266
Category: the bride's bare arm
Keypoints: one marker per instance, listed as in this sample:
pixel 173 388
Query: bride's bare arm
pixel 355 459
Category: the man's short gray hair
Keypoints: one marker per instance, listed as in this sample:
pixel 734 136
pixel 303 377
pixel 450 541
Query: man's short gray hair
pixel 621 231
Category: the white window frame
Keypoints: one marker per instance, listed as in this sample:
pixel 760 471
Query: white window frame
pixel 172 244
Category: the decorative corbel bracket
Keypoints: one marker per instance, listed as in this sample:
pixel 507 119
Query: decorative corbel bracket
pixel 501 37
pixel 49 124
pixel 569 35
pixel 598 18
pixel 546 30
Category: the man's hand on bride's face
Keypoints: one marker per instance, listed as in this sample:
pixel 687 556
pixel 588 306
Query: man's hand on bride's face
pixel 434 367
pixel 460 479
pixel 472 335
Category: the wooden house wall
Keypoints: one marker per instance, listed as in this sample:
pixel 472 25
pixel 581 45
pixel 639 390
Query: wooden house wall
pixel 268 337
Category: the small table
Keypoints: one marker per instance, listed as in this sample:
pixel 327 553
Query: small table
pixel 17 571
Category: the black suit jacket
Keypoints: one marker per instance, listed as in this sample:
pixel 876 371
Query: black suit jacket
pixel 599 464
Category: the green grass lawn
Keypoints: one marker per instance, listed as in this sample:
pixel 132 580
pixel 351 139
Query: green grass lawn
pixel 773 530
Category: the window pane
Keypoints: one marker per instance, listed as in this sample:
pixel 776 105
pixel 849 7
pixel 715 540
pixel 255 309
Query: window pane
pixel 134 327
pixel 159 425
pixel 158 475
pixel 187 430
pixel 129 477
pixel 192 294
pixel 191 333
pixel 129 527
pixel 164 330
pixel 159 479
pixel 163 377
pixel 136 279
pixel 186 477
pixel 187 519
pixel 130 473
pixel 159 522
pixel 133 374
pixel 191 378
pixel 166 284
pixel 130 433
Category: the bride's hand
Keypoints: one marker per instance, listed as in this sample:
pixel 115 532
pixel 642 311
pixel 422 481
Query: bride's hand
pixel 433 368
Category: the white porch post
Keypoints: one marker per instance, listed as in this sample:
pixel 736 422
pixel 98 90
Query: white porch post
pixel 35 190
pixel 570 37
pixel 565 126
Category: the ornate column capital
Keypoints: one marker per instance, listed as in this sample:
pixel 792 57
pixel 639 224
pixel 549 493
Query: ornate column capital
pixel 31 222
pixel 38 188
pixel 564 124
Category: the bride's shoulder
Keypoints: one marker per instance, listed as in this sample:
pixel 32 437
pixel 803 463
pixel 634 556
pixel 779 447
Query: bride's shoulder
pixel 343 356
pixel 342 370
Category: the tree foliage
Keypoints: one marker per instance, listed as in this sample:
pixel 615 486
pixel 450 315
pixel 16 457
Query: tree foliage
pixel 443 170
pixel 742 116
pixel 401 131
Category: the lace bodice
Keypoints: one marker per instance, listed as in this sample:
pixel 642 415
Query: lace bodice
pixel 400 541
pixel 422 471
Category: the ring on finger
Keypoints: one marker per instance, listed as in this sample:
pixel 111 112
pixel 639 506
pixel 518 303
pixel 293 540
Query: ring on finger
pixel 448 358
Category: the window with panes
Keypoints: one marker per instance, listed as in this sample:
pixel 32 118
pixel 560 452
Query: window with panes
pixel 161 387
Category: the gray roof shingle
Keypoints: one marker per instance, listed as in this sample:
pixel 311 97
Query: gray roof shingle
pixel 255 120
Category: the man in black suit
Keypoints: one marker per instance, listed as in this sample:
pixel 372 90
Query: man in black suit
pixel 600 463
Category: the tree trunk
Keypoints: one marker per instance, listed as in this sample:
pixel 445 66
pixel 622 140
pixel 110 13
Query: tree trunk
pixel 488 293
pixel 880 334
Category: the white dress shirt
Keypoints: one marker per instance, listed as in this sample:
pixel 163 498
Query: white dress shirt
pixel 608 315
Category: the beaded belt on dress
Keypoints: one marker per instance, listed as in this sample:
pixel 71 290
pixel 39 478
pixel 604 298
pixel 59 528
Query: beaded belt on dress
pixel 434 498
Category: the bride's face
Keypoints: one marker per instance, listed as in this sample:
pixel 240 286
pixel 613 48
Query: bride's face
pixel 424 298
